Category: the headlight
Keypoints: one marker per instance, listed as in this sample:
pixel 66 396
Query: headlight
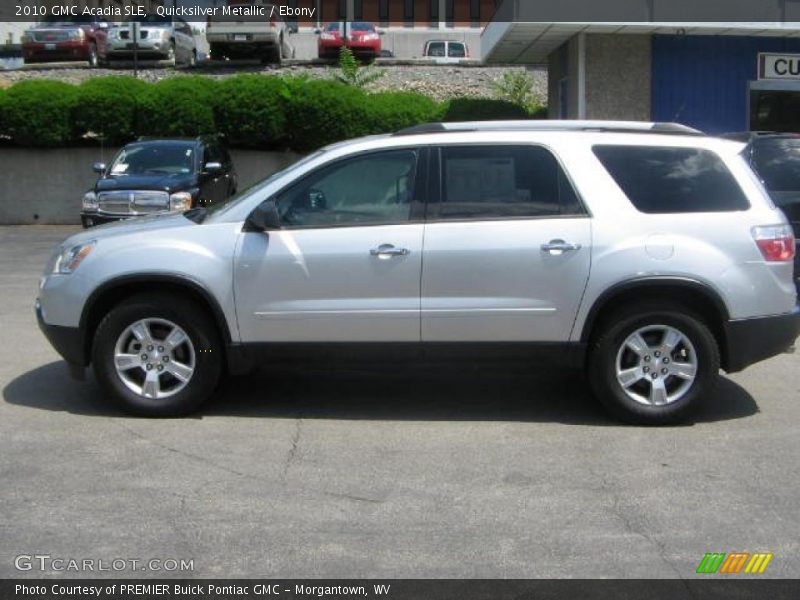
pixel 180 201
pixel 90 201
pixel 71 258
pixel 77 34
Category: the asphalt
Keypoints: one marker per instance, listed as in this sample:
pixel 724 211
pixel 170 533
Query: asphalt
pixel 406 472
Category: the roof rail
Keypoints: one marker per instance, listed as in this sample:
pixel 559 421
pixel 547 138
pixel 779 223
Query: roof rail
pixel 552 125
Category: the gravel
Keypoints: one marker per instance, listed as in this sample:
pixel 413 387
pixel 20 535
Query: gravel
pixel 439 82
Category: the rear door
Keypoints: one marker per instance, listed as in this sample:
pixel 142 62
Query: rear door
pixel 507 247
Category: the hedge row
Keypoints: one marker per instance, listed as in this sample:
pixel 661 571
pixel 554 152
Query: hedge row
pixel 251 110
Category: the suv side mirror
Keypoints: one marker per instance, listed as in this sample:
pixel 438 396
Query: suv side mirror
pixel 99 167
pixel 213 167
pixel 264 217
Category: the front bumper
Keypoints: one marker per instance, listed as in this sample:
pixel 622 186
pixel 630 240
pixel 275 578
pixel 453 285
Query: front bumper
pixel 752 340
pixel 67 341
pixel 90 219
pixel 57 51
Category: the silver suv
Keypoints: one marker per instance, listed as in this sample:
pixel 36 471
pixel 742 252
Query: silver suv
pixel 648 255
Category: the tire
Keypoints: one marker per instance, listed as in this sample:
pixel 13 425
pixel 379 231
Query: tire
pixel 172 56
pixel 215 52
pixel 663 386
pixel 93 59
pixel 196 360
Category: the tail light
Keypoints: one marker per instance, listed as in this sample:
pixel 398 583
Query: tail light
pixel 776 242
pixel 273 21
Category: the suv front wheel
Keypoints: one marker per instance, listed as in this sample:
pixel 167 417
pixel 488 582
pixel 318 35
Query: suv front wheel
pixel 654 364
pixel 158 354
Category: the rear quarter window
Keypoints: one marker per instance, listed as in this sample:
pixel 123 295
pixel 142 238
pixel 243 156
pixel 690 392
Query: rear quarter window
pixel 659 180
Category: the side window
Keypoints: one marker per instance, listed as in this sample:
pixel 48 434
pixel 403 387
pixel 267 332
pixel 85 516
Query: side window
pixel 659 180
pixel 367 190
pixel 436 49
pixel 213 154
pixel 496 182
pixel 456 50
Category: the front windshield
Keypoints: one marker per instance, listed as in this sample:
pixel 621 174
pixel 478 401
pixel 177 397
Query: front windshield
pixel 219 210
pixel 154 159
pixel 151 19
pixel 60 21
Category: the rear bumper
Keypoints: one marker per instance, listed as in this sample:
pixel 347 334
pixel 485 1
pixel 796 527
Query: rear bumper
pixel 752 340
pixel 67 341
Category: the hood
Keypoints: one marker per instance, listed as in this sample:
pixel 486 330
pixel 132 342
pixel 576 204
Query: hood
pixel 137 226
pixel 168 183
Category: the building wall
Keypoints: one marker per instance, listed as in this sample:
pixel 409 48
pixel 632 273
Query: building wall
pixel 702 81
pixel 618 77
pixel 562 81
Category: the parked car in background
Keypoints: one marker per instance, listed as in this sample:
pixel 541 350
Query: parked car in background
pixel 54 39
pixel 159 38
pixel 775 157
pixel 248 36
pixel 363 40
pixel 446 51
pixel 158 176
pixel 646 254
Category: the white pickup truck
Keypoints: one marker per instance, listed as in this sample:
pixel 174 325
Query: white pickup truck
pixel 254 30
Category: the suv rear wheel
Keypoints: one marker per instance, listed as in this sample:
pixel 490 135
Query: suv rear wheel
pixel 158 355
pixel 654 364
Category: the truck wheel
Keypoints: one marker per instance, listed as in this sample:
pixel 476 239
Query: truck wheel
pixel 216 53
pixel 92 59
pixel 157 355
pixel 653 364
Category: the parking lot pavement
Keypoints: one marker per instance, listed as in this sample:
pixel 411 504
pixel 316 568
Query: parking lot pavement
pixel 402 473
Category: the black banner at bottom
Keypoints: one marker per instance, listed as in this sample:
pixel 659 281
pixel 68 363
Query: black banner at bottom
pixel 397 589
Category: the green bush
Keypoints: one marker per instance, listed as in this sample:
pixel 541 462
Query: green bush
pixel 322 112
pixel 39 113
pixel 251 110
pixel 391 111
pixel 108 106
pixel 178 106
pixel 483 109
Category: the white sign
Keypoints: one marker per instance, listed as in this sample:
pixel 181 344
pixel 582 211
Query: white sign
pixel 778 66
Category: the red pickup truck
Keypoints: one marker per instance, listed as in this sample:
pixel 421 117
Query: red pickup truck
pixel 55 40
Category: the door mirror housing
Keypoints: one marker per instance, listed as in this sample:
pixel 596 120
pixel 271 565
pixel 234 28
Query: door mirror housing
pixel 212 167
pixel 99 167
pixel 264 218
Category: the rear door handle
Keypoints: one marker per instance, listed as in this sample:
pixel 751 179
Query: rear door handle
pixel 389 251
pixel 557 247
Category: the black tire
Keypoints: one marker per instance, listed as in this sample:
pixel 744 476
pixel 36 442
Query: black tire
pixel 202 334
pixel 216 52
pixel 607 346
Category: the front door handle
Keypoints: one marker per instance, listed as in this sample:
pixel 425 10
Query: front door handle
pixel 389 251
pixel 558 247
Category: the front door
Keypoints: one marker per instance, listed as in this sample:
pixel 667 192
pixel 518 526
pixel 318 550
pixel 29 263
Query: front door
pixel 345 266
pixel 507 248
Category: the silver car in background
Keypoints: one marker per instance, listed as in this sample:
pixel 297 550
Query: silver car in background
pixel 157 38
pixel 647 255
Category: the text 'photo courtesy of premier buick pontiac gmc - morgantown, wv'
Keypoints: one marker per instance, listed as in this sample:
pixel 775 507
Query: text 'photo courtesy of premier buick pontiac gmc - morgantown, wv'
pixel 648 255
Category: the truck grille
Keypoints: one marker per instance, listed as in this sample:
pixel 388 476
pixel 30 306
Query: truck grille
pixel 50 36
pixel 132 202
pixel 125 34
